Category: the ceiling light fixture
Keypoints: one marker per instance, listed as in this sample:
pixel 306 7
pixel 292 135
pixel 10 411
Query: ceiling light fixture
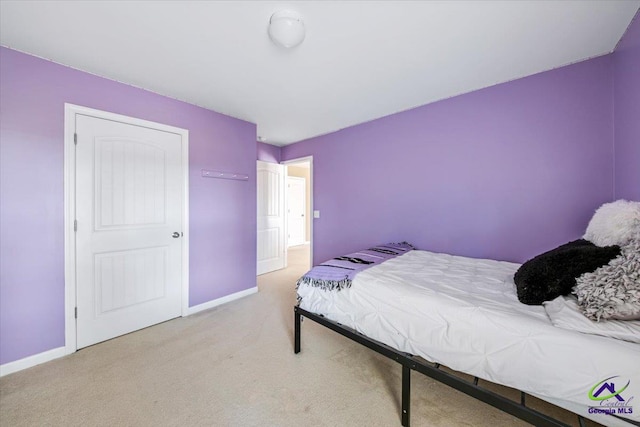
pixel 286 28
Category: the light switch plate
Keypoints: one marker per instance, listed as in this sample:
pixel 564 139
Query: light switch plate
pixel 316 214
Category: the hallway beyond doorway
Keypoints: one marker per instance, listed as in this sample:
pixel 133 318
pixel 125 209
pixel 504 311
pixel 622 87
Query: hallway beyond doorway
pixel 298 258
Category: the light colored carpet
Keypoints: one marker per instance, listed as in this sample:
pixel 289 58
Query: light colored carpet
pixel 234 366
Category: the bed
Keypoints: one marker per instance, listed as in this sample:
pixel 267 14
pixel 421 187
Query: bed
pixel 426 310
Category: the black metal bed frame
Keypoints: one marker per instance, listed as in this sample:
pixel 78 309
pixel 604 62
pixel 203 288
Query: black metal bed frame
pixel 410 362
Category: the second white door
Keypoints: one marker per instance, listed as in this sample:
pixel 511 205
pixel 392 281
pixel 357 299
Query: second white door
pixel 296 209
pixel 129 204
pixel 271 250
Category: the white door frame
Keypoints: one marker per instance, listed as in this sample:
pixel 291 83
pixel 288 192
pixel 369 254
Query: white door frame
pixel 301 160
pixel 70 113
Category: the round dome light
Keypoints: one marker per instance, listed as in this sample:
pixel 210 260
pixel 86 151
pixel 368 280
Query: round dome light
pixel 286 28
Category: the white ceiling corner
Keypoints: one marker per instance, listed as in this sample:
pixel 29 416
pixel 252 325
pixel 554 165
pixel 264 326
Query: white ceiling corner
pixel 360 60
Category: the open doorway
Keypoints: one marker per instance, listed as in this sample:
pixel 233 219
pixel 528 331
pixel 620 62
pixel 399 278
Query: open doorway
pixel 299 211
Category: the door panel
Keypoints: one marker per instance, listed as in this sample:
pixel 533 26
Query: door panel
pixel 271 216
pixel 127 278
pixel 128 203
pixel 126 194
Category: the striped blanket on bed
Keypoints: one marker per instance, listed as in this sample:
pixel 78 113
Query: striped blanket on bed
pixel 338 273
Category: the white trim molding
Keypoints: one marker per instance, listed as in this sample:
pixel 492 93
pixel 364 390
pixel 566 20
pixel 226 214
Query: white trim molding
pixel 56 353
pixel 219 301
pixel 28 362
pixel 305 159
pixel 70 113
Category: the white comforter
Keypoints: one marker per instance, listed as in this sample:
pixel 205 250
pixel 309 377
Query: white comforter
pixel 464 313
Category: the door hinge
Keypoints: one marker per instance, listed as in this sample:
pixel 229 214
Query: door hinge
pixel 75 139
pixel 75 225
pixel 75 312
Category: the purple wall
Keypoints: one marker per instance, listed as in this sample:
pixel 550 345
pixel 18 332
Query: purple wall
pixel 222 212
pixel 626 60
pixel 504 172
pixel 268 153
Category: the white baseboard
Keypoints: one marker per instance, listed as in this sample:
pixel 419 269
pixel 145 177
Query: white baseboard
pixel 28 362
pixel 216 302
pixel 37 359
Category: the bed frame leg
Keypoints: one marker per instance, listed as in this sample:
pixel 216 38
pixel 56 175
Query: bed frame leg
pixel 296 330
pixel 406 394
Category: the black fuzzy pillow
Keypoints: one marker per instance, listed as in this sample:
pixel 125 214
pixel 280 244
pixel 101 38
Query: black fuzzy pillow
pixel 554 273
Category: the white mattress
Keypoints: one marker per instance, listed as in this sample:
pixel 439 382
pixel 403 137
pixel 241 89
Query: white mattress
pixel 464 313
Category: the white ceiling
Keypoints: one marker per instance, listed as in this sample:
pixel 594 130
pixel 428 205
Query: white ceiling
pixel 360 60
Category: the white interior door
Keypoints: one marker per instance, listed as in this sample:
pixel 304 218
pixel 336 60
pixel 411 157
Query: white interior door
pixel 296 208
pixel 129 204
pixel 271 251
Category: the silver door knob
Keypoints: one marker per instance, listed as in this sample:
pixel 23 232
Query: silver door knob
pixel 175 235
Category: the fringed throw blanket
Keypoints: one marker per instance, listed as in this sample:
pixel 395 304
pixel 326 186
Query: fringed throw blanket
pixel 338 273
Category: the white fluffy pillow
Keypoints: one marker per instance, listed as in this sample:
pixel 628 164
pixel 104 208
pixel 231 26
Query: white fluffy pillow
pixel 614 223
pixel 613 290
